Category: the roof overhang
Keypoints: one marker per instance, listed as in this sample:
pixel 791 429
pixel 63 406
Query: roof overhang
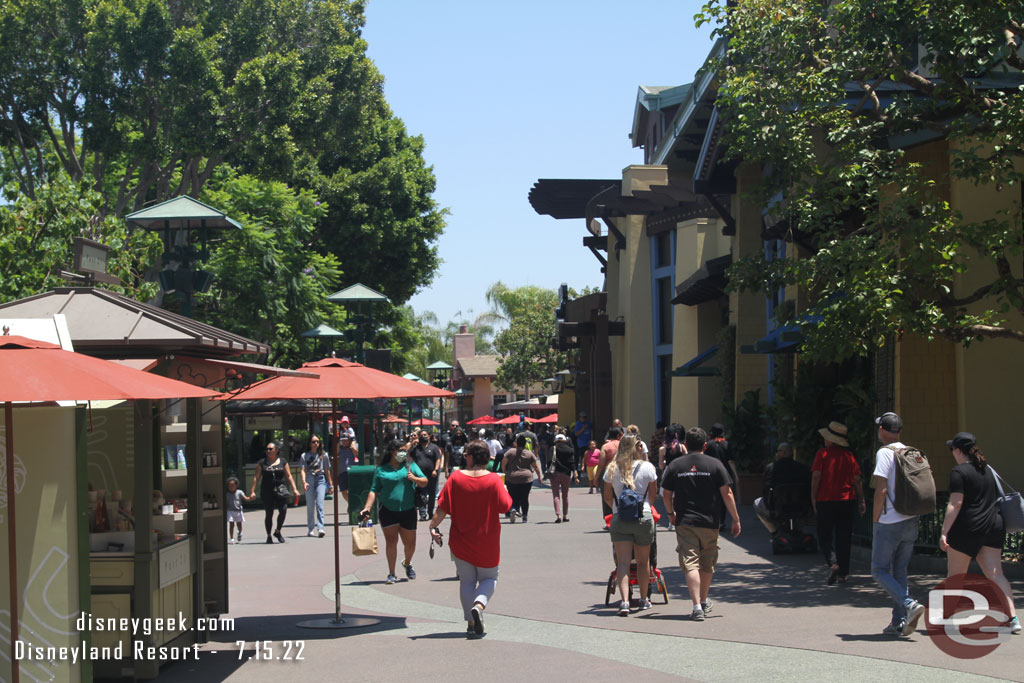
pixel 695 367
pixel 707 284
pixel 567 198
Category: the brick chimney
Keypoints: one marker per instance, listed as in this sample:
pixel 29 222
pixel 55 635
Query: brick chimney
pixel 464 344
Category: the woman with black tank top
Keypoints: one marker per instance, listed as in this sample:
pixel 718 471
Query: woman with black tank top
pixel 272 471
pixel 973 527
pixel 673 446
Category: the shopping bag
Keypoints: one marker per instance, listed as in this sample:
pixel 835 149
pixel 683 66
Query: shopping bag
pixel 364 540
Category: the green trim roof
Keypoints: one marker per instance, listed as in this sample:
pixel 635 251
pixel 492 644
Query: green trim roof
pixel 357 292
pixel 322 330
pixel 180 211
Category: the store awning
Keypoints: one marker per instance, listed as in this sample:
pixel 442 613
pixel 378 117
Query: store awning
pixel 695 366
pixel 784 339
pixel 707 284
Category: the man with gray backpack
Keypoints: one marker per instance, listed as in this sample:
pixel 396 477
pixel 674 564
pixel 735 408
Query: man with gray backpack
pixel 904 490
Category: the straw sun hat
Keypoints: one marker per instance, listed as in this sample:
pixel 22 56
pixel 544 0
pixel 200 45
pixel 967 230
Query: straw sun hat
pixel 836 433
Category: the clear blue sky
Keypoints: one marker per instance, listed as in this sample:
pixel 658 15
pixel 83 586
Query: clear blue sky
pixel 507 93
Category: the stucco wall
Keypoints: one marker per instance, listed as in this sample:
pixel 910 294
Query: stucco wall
pixel 989 372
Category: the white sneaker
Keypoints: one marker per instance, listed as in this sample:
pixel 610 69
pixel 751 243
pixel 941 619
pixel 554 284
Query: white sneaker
pixel 312 532
pixel 512 516
pixel 231 541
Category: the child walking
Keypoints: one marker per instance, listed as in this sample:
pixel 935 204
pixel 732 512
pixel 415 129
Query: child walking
pixel 233 505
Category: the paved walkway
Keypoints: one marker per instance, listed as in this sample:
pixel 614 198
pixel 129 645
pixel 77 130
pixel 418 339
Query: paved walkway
pixel 774 618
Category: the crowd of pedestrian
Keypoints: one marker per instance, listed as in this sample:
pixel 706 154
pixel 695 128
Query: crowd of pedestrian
pixel 690 474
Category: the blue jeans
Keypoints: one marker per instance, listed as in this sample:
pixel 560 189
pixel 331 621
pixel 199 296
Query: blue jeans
pixel 891 548
pixel 315 503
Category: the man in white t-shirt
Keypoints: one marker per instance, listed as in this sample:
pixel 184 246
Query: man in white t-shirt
pixel 894 534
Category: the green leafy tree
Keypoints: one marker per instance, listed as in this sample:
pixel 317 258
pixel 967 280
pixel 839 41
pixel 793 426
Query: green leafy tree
pixel 525 346
pixel 270 284
pixel 478 325
pixel 827 97
pixel 145 100
pixel 36 236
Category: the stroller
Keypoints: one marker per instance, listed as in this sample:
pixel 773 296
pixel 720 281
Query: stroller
pixel 657 581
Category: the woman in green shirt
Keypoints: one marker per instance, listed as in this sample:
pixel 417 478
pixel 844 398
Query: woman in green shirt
pixel 394 484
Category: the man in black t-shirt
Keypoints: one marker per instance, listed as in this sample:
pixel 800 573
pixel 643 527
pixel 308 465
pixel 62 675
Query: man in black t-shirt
pixel 693 484
pixel 428 458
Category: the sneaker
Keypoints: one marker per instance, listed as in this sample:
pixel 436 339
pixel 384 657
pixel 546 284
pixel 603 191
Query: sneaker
pixel 623 609
pixel 525 520
pixel 512 514
pixel 565 519
pixel 707 605
pixel 1014 626
pixel 410 573
pixel 270 540
pixel 311 533
pixel 833 574
pixel 478 620
pixel 914 613
pixel 894 629
pixel 558 520
pixel 697 614
pixel 645 604
pixel 239 536
pixel 320 533
pixel 278 536
pixel 391 579
pixel 231 541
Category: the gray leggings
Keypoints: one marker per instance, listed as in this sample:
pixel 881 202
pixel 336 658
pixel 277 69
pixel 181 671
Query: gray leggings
pixel 476 584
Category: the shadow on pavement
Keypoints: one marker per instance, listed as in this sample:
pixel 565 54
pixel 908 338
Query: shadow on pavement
pixel 448 635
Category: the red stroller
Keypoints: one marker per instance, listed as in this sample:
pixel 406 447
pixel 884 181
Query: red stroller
pixel 657 581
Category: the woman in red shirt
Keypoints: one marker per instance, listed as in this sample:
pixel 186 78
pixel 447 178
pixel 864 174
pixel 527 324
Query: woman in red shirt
pixel 476 499
pixel 836 494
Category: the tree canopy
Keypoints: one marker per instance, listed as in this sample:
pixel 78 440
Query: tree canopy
pixel 830 99
pixel 525 346
pixel 138 101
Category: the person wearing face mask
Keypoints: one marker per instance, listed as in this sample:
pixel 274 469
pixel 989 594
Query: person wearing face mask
pixel 395 483
pixel 430 461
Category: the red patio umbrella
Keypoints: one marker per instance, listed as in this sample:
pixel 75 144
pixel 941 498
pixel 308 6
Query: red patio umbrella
pixel 393 419
pixel 39 371
pixel 424 422
pixel 482 420
pixel 547 419
pixel 340 379
pixel 510 420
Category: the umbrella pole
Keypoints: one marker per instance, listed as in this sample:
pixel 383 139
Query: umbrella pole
pixel 336 449
pixel 12 542
pixel 337 622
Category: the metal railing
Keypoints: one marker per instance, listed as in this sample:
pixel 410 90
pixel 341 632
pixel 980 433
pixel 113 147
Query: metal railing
pixel 931 529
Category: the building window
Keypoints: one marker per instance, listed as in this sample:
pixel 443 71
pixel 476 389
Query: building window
pixel 664 303
pixel 663 407
pixel 498 399
pixel 663 250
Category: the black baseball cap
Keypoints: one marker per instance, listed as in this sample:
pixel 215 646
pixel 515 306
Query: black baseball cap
pixel 963 441
pixel 890 422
